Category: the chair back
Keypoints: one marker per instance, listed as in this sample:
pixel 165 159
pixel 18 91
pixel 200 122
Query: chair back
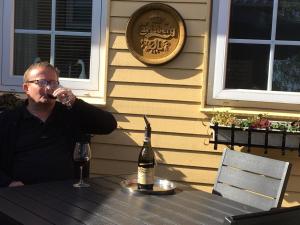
pixel 279 216
pixel 252 180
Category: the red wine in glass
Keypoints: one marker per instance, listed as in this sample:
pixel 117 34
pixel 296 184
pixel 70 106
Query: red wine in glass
pixel 83 162
pixel 81 155
pixel 51 96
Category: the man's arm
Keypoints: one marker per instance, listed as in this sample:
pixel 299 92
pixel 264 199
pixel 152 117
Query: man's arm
pixel 93 119
pixel 4 179
pixel 90 119
pixel 5 156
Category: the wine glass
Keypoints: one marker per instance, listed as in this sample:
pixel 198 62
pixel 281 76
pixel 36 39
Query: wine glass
pixel 63 98
pixel 81 155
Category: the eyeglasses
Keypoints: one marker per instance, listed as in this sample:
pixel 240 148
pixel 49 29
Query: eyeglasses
pixel 44 83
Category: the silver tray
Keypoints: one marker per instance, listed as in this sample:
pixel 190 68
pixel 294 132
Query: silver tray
pixel 160 187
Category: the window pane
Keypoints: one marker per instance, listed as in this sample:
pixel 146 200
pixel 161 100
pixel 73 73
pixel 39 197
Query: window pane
pixel 288 20
pixel 286 72
pixel 251 19
pixel 30 48
pixel 74 15
pixel 247 66
pixel 33 14
pixel 72 56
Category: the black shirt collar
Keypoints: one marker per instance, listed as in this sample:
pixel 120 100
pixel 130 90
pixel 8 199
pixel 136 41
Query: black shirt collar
pixel 27 115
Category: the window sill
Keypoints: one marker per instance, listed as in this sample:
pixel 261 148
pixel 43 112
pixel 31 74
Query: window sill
pixel 93 101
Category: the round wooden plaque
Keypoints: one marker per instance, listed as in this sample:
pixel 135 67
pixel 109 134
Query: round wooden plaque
pixel 155 33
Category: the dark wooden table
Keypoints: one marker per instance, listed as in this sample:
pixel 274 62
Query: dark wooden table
pixel 106 202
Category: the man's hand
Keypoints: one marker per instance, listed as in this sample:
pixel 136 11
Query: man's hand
pixel 65 96
pixel 16 184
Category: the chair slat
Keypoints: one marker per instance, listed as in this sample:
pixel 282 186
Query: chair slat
pixel 250 181
pixel 244 197
pixel 257 164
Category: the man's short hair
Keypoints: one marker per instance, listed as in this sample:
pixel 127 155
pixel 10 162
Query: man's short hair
pixel 37 65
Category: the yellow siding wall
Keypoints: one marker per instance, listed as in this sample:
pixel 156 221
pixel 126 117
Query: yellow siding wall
pixel 172 97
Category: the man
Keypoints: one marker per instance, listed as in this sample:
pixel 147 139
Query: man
pixel 37 139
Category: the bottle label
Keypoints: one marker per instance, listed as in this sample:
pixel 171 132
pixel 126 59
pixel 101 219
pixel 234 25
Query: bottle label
pixel 145 175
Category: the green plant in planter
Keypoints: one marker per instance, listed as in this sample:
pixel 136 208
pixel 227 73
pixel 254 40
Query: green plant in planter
pixel 246 123
pixel 224 119
pixel 280 125
pixel 228 119
pixel 260 121
pixel 288 126
pixel 295 126
pixel 9 101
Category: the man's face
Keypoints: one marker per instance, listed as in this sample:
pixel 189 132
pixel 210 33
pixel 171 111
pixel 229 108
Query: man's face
pixel 35 90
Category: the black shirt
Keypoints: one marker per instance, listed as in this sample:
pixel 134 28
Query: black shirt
pixel 42 145
pixel 34 151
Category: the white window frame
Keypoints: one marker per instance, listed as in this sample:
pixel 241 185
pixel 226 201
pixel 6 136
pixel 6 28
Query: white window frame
pixel 216 92
pixel 94 87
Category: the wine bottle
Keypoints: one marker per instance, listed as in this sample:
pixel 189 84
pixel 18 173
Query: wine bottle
pixel 146 161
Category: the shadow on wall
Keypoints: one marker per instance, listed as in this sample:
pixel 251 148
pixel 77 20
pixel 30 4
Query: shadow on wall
pixel 154 75
pixel 119 152
pixel 182 61
pixel 176 74
pixel 291 199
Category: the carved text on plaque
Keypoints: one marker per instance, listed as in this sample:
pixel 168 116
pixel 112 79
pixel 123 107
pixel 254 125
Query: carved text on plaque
pixel 156 37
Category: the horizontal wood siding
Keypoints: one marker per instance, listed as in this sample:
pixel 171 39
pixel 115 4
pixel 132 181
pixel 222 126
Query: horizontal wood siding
pixel 172 96
pixel 122 90
pixel 155 75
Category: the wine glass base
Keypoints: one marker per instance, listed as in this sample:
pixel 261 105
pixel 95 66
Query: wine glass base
pixel 79 185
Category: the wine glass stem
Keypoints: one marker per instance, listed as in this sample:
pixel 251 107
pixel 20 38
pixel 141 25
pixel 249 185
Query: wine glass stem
pixel 81 181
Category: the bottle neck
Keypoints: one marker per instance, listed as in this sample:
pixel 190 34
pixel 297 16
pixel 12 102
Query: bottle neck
pixel 147 135
pixel 147 140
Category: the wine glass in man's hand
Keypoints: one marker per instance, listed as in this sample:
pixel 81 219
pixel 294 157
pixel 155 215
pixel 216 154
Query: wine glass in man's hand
pixel 81 155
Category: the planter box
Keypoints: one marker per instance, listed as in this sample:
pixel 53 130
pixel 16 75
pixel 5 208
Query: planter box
pixel 275 138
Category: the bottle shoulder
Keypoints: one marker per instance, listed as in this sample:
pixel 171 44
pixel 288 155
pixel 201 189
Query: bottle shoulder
pixel 146 152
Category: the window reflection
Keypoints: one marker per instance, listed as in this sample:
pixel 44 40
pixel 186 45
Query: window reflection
pixel 251 19
pixel 37 49
pixel 288 20
pixel 286 71
pixel 247 66
pixel 72 56
pixel 32 42
pixel 33 14
pixel 74 15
